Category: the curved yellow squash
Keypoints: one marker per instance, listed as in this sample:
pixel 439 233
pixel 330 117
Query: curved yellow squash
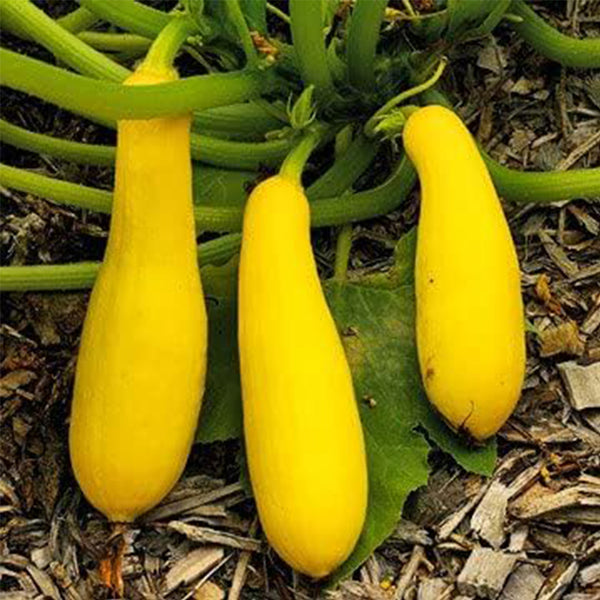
pixel 142 359
pixel 303 434
pixel 470 321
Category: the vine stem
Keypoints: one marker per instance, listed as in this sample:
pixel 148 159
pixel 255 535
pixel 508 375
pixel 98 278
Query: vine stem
pixel 343 246
pixel 309 45
pixel 63 44
pixel 129 15
pixel 566 50
pixel 81 275
pixel 111 101
pixel 115 42
pixel 405 95
pixel 362 42
pixel 237 18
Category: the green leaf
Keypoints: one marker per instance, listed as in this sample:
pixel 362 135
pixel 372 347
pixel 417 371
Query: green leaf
pixel 377 318
pixel 255 12
pixel 221 414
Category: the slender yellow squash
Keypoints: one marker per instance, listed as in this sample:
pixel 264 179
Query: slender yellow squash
pixel 470 322
pixel 142 361
pixel 303 434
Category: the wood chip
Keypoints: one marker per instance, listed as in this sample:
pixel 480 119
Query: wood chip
pixel 485 573
pixel 555 586
pixel 582 384
pixel 433 589
pixel 558 255
pixel 448 525
pixel 410 533
pixel 209 591
pixel 591 321
pixel 205 535
pixel 409 571
pixel 14 380
pixel 192 566
pixel 578 152
pixel 488 519
pixel 561 339
pixel 524 584
pixel 590 575
pixel 239 575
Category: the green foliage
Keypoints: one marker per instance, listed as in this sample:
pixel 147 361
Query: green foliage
pixel 470 19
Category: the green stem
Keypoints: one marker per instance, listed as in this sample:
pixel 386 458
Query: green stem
pixel 530 186
pixel 405 95
pixel 566 50
pixel 129 15
pixel 247 119
pixel 78 20
pixel 165 47
pixel 236 16
pixel 76 276
pixel 278 13
pixel 345 170
pixel 343 244
pixel 63 44
pixel 324 211
pixel 115 42
pixel 107 100
pixel 294 162
pixel 362 42
pixel 343 247
pixel 90 154
pixel 309 45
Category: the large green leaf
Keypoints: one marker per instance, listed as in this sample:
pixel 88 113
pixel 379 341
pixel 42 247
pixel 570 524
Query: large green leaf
pixel 221 416
pixel 377 318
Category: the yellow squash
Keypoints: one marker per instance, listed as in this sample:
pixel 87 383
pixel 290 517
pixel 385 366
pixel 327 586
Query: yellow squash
pixel 470 321
pixel 303 434
pixel 142 361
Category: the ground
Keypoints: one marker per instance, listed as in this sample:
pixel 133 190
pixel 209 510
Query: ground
pixel 533 528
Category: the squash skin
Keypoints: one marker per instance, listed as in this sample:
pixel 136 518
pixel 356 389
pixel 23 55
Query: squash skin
pixel 303 435
pixel 470 318
pixel 142 359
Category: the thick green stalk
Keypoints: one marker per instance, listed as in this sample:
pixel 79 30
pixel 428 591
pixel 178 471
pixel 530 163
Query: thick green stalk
pixel 89 154
pixel 294 162
pixel 362 42
pixel 209 150
pixel 309 45
pixel 107 100
pixel 63 44
pixel 78 20
pixel 81 275
pixel 236 120
pixel 532 186
pixel 326 211
pixel 345 170
pixel 115 42
pixel 129 15
pixel 566 50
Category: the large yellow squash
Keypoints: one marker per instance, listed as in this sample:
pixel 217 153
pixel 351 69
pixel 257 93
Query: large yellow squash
pixel 303 434
pixel 470 321
pixel 142 361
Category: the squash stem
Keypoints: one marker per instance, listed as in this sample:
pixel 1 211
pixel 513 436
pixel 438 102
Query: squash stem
pixel 309 45
pixel 236 17
pixel 81 275
pixel 129 15
pixel 165 47
pixel 566 50
pixel 362 42
pixel 405 95
pixel 115 42
pixel 294 162
pixel 65 45
pixel 111 101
